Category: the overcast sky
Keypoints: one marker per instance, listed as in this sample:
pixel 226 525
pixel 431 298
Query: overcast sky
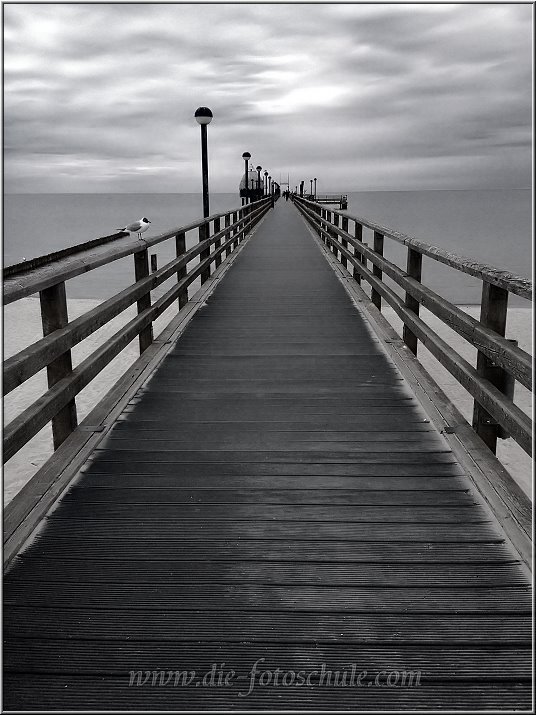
pixel 101 98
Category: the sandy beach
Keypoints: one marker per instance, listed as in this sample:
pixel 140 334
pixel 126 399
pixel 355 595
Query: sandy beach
pixel 25 316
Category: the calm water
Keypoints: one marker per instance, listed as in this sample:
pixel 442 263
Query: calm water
pixel 492 227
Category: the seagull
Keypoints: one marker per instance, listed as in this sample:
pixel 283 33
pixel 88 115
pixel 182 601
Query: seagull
pixel 137 227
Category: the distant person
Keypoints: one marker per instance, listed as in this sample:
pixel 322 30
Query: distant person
pixel 286 195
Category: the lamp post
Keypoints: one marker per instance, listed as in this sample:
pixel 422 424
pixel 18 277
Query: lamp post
pixel 259 169
pixel 203 116
pixel 266 183
pixel 246 156
pixel 311 188
pixel 269 186
pixel 315 188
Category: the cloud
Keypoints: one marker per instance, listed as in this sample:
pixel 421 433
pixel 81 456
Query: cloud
pixel 100 97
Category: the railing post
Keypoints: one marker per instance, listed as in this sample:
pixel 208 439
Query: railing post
pixel 328 231
pixel 359 237
pixel 493 311
pixel 247 223
pixel 250 221
pixel 414 270
pixel 180 245
pixel 344 242
pixel 323 216
pixel 378 248
pixel 227 222
pixel 53 317
pixel 204 230
pixel 318 228
pixel 236 214
pixel 141 270
pixel 335 236
pixel 217 243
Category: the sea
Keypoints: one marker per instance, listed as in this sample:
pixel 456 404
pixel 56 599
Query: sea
pixel 489 226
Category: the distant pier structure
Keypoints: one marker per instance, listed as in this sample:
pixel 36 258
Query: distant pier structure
pixel 256 188
pixel 340 199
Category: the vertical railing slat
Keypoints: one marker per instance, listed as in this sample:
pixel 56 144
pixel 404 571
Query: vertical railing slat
pixel 335 236
pixel 322 234
pixel 217 243
pixel 414 270
pixel 227 223
pixel 493 312
pixel 378 248
pixel 203 235
pixel 344 242
pixel 180 248
pixel 358 233
pixel 236 214
pixel 141 270
pixel 54 315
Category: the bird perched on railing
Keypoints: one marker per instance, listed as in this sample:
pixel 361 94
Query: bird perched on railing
pixel 137 227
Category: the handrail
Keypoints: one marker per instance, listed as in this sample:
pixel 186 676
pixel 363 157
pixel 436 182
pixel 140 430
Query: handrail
pixel 47 277
pixel 47 259
pixel 503 279
pixel 500 362
pixel 25 281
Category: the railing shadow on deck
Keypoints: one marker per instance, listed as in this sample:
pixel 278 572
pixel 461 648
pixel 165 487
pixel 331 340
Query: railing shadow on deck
pixel 219 236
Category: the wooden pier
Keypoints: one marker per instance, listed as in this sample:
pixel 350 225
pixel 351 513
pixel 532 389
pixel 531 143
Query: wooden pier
pixel 265 490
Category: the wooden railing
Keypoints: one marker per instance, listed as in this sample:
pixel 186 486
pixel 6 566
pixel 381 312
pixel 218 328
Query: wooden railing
pixel 500 362
pixel 218 236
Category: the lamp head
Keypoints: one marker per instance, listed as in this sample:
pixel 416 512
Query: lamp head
pixel 246 155
pixel 203 115
pixel 259 168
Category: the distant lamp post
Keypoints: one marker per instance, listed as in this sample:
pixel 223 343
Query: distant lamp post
pixel 246 156
pixel 269 186
pixel 259 189
pixel 203 116
pixel 311 188
pixel 266 183
pixel 315 188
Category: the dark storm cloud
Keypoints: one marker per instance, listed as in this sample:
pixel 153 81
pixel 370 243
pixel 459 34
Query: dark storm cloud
pixel 101 97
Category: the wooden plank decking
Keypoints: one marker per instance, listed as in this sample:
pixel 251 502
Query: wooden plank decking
pixel 274 492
